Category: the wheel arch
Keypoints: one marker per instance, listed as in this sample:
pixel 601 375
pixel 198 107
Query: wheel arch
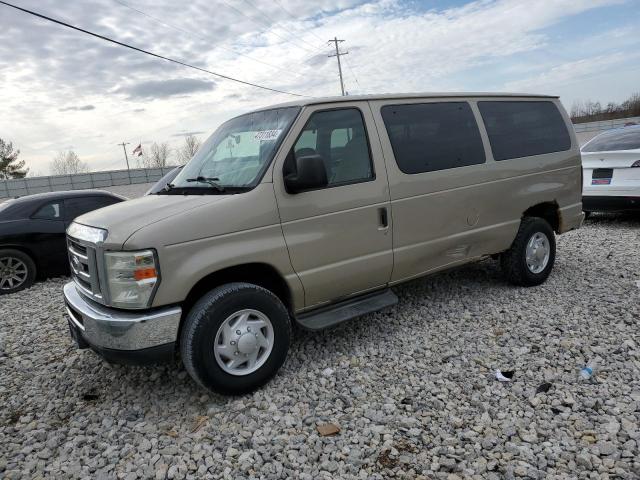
pixel 25 250
pixel 261 274
pixel 549 211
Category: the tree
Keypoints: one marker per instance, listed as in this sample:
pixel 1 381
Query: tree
pixel 588 111
pixel 10 167
pixel 68 163
pixel 189 149
pixel 158 155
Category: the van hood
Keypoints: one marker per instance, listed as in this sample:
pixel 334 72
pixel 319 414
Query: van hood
pixel 123 219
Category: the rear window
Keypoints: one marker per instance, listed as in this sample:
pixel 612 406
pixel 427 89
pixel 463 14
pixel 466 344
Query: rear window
pixel 433 136
pixel 522 129
pixel 627 138
pixel 4 205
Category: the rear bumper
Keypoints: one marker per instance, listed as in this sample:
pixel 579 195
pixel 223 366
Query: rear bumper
pixel 571 218
pixel 122 336
pixel 610 203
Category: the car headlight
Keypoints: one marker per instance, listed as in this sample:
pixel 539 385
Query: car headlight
pixel 132 278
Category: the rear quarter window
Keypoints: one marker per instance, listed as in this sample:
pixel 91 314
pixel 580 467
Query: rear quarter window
pixel 519 129
pixel 49 211
pixel 427 137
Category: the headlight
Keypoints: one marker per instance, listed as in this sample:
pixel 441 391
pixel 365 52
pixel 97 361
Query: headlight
pixel 86 233
pixel 132 278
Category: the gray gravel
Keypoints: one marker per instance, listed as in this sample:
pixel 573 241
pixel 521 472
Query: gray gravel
pixel 411 388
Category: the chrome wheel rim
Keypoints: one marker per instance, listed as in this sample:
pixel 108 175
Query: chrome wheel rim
pixel 244 342
pixel 13 273
pixel 538 252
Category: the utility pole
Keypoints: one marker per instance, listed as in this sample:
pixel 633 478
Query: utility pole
pixel 125 152
pixel 338 54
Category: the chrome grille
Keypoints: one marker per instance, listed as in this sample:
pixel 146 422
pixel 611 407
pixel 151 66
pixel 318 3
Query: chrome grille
pixel 84 267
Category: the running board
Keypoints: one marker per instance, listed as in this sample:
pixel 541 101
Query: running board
pixel 346 310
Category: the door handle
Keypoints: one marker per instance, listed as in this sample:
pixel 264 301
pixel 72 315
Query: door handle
pixel 383 218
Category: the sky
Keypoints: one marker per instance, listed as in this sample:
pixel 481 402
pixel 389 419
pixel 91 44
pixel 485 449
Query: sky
pixel 61 89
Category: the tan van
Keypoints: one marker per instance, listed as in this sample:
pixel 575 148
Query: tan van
pixel 307 213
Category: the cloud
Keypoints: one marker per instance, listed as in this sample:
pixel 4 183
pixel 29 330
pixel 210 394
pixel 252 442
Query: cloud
pixel 186 134
pixel 394 46
pixel 569 72
pixel 151 89
pixel 80 108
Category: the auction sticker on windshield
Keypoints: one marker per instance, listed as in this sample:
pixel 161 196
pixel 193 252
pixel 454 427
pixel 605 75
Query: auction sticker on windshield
pixel 265 135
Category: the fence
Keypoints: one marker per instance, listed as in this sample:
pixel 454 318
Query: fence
pixel 26 186
pixel 604 124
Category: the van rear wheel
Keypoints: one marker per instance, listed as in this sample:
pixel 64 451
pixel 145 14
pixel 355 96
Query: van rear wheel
pixel 235 338
pixel 531 257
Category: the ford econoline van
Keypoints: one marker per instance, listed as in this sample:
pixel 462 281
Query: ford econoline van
pixel 308 213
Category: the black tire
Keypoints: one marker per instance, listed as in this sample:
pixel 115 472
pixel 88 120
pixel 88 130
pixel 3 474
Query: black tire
pixel 201 327
pixel 514 261
pixel 587 215
pixel 8 258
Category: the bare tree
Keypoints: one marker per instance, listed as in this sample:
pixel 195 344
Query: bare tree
pixel 10 167
pixel 589 111
pixel 189 149
pixel 158 155
pixel 66 163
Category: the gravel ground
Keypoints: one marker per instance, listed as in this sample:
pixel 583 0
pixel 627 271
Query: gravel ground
pixel 412 388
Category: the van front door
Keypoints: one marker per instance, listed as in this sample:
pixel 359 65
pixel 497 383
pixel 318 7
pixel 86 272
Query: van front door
pixel 339 237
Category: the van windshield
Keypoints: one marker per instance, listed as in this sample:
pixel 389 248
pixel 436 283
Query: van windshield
pixel 236 155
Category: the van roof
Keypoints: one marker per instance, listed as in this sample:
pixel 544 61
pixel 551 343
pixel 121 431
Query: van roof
pixel 399 96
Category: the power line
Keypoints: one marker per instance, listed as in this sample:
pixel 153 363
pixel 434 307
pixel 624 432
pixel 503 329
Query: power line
pixel 126 45
pixel 352 73
pixel 202 37
pixel 248 2
pixel 255 20
pixel 294 18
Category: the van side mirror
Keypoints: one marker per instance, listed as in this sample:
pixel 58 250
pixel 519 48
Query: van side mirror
pixel 310 173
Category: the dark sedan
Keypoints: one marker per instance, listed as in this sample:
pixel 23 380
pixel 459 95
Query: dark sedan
pixel 32 234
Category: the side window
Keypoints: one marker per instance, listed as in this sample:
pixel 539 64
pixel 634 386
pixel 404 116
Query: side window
pixel 522 129
pixel 308 139
pixel 50 211
pixel 427 137
pixel 340 137
pixel 77 206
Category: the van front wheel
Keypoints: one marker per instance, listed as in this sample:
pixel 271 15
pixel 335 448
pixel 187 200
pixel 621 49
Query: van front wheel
pixel 530 259
pixel 235 338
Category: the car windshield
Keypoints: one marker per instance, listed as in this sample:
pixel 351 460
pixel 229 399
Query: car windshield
pixel 627 138
pixel 238 152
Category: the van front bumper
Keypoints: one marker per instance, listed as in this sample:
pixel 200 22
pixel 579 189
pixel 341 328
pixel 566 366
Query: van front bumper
pixel 122 336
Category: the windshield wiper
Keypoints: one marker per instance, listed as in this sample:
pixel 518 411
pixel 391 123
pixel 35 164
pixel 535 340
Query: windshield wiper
pixel 208 180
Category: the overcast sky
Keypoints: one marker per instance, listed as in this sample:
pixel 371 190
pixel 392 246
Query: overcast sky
pixel 61 89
